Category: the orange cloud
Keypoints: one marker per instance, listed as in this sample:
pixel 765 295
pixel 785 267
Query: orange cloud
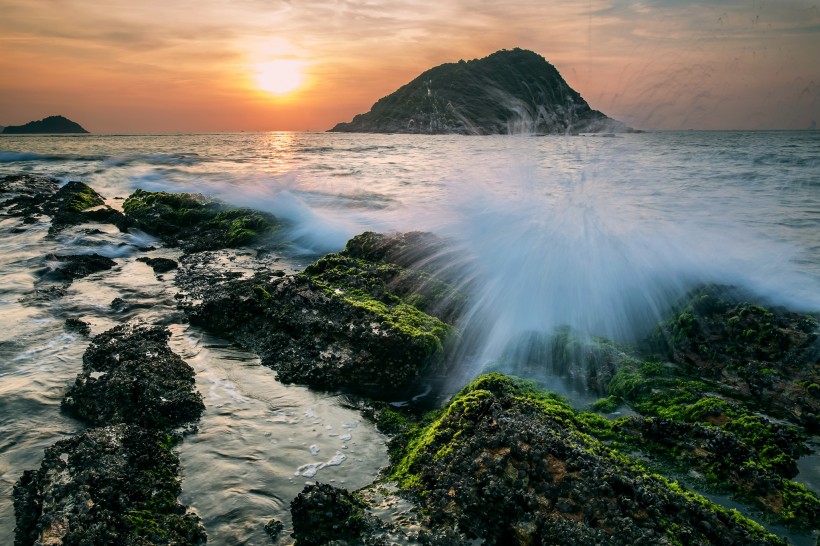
pixel 117 66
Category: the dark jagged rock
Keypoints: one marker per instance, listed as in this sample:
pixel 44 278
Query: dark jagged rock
pixel 323 514
pixel 74 203
pixel 766 354
pixel 160 265
pixel 340 324
pixel 110 485
pixel 131 376
pixel 78 326
pixel 195 222
pixel 507 92
pixel 71 267
pixel 508 464
pixel 44 295
pixel 49 125
pixel 274 529
pixel 26 194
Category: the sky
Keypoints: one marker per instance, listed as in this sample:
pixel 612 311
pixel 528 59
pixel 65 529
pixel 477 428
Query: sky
pixel 119 66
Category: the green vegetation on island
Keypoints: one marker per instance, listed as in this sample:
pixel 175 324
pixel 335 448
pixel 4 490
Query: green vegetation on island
pixel 510 91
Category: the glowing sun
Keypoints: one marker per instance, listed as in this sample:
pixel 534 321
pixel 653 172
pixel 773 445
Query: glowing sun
pixel 279 77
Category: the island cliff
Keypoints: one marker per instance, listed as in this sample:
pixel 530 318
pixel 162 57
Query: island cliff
pixel 49 125
pixel 508 92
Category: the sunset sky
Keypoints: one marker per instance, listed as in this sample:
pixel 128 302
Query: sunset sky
pixel 207 65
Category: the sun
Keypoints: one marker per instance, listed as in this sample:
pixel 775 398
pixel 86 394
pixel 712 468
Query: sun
pixel 279 77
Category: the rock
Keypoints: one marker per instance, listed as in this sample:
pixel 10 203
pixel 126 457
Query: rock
pixel 68 203
pixel 71 267
pixel 110 485
pixel 274 529
pixel 323 514
pixel 339 325
pixel 506 463
pixel 49 125
pixel 160 265
pixel 195 222
pixel 509 91
pixel 131 376
pixel 767 354
pixel 78 326
pixel 696 425
pixel 74 203
pixel 26 195
pixel 44 295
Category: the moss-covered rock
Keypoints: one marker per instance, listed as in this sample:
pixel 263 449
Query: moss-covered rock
pixel 509 464
pixel 73 203
pixel 110 485
pixel 196 222
pixel 131 376
pixel 325 514
pixel 768 355
pixel 346 322
pixel 695 425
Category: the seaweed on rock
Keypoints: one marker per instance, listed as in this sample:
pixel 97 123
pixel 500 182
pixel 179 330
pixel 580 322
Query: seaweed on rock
pixel 509 464
pixel 108 485
pixel 768 355
pixel 117 483
pixel 340 324
pixel 196 222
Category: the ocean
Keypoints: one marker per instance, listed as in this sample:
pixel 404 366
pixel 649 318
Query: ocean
pixel 599 233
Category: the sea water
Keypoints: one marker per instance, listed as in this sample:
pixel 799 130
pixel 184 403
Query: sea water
pixel 598 234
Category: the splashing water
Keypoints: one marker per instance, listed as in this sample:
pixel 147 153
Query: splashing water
pixel 600 248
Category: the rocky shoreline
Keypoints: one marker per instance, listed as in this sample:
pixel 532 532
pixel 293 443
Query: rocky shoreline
pixel 722 398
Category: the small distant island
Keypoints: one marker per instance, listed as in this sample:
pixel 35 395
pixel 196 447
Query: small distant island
pixel 49 125
pixel 508 92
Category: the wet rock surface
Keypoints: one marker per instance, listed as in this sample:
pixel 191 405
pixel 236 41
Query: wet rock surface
pixel 117 483
pixel 108 485
pixel 195 222
pixel 31 197
pixel 24 195
pixel 338 325
pixel 160 265
pixel 766 354
pixel 323 514
pixel 77 325
pixel 131 376
pixel 65 267
pixel 508 465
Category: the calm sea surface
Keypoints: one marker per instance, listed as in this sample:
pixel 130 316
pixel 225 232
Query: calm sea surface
pixel 601 234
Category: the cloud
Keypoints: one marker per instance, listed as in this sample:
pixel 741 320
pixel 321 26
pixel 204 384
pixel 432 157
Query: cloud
pixel 654 63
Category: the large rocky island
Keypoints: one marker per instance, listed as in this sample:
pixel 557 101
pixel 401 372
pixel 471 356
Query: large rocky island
pixel 511 91
pixel 48 126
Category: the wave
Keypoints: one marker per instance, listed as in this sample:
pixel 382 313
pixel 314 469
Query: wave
pixel 12 157
pixel 176 160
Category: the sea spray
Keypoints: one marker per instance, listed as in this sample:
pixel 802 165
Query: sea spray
pixel 550 233
pixel 585 250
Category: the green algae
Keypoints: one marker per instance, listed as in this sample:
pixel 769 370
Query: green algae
pixel 447 433
pixel 196 220
pixel 83 198
pixel 368 285
pixel 758 457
